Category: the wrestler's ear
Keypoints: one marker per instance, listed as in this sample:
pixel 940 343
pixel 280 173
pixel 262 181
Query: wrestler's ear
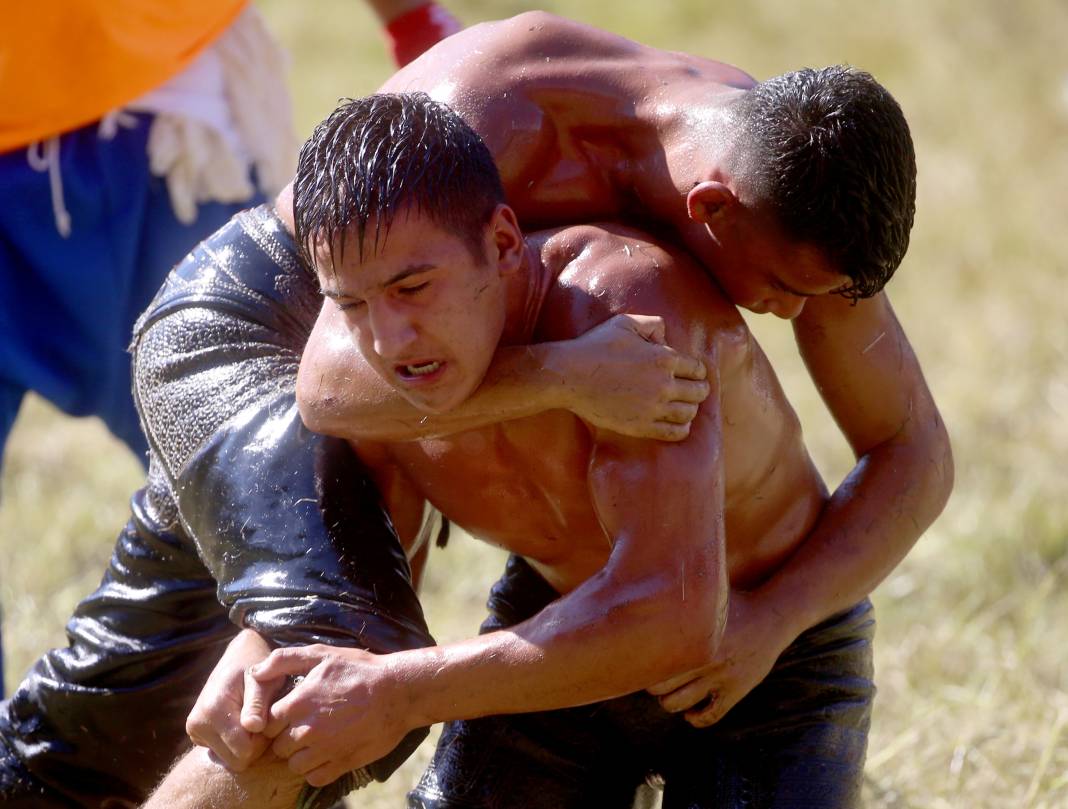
pixel 507 246
pixel 710 202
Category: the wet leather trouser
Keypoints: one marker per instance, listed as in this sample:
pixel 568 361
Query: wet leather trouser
pixel 246 520
pixel 796 741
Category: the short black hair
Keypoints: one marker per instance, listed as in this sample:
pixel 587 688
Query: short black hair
pixel 830 153
pixel 376 156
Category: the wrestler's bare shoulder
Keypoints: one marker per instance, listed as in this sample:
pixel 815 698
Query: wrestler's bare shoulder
pixel 604 269
pixel 541 50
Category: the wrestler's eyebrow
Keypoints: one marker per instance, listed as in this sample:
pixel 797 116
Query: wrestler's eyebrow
pixel 334 294
pixel 405 273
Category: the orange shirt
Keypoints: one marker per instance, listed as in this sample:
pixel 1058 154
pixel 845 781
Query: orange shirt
pixel 65 64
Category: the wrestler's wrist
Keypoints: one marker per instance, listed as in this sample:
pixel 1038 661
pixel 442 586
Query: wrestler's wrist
pixel 410 673
pixel 566 367
pixel 555 370
pixel 784 614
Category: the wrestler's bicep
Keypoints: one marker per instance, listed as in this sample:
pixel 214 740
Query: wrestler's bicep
pixel 661 503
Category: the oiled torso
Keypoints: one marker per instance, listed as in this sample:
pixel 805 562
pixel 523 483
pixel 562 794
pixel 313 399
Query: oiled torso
pixel 520 485
pixel 524 485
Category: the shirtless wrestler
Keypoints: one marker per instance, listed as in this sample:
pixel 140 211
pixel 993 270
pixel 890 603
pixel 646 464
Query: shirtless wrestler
pixel 795 193
pixel 630 532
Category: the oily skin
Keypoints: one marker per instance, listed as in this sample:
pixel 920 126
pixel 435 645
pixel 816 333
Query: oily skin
pixel 631 529
pixel 587 125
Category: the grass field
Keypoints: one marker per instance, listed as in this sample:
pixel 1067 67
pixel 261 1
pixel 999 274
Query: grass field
pixel 971 662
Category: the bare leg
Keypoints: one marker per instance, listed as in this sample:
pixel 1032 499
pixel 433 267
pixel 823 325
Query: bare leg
pixel 197 782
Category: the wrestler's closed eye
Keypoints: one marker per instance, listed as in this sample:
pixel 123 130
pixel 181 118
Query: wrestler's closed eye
pixel 414 290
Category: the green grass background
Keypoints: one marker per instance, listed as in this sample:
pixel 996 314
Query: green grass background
pixel 971 659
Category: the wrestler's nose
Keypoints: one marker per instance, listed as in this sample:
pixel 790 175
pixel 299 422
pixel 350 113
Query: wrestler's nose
pixel 394 331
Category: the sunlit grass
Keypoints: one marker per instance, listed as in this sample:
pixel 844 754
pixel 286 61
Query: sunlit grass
pixel 971 663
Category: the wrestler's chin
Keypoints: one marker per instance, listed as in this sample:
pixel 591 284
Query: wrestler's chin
pixel 437 396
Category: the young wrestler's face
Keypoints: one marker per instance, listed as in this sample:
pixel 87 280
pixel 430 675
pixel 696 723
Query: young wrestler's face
pixel 758 266
pixel 426 312
pixel 767 273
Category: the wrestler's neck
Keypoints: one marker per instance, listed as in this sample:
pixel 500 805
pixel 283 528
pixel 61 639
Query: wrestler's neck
pixel 525 291
pixel 693 138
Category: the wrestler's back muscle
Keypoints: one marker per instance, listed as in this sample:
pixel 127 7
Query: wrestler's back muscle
pixel 523 484
pixel 573 115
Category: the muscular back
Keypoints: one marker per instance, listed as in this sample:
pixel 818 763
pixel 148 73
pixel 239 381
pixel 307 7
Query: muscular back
pixel 525 485
pixel 582 123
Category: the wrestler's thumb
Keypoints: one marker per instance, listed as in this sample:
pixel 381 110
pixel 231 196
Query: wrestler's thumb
pixel 648 327
pixel 254 705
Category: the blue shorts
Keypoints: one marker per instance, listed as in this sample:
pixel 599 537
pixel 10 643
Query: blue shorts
pixel 67 305
pixel 797 741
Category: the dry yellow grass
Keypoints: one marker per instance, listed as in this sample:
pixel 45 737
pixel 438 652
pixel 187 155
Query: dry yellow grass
pixel 973 677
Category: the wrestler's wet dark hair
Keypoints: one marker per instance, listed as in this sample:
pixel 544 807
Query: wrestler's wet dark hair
pixel 377 156
pixel 829 151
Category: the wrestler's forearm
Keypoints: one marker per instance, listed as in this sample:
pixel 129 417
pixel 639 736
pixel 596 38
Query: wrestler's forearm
pixel 619 376
pixel 576 651
pixel 868 375
pixel 871 522
pixel 355 403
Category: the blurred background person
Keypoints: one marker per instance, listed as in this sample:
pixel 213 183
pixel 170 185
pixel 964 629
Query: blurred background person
pixel 131 131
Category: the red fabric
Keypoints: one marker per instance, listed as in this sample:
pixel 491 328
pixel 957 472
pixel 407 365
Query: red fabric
pixel 417 30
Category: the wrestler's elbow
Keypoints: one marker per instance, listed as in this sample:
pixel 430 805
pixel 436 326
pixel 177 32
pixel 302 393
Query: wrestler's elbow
pixel 709 619
pixel 922 451
pixel 319 405
pixel 943 472
pixel 693 616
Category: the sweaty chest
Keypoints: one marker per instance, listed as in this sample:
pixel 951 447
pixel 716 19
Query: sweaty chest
pixel 521 485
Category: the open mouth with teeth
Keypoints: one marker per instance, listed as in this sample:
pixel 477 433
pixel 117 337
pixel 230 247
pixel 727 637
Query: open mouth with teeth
pixel 420 371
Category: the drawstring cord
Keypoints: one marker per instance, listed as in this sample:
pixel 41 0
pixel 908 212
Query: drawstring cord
pixel 198 162
pixel 110 123
pixel 44 156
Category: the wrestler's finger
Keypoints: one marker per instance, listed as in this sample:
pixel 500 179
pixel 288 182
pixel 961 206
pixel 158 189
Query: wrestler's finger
pixel 290 741
pixel 279 715
pixel 258 696
pixel 650 327
pixel 672 684
pixel 282 662
pixel 678 412
pixel 324 775
pixel 202 732
pixel 308 759
pixel 212 743
pixel 220 751
pixel 686 697
pixel 691 391
pixel 666 431
pixel 707 715
pixel 687 367
pixel 244 747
